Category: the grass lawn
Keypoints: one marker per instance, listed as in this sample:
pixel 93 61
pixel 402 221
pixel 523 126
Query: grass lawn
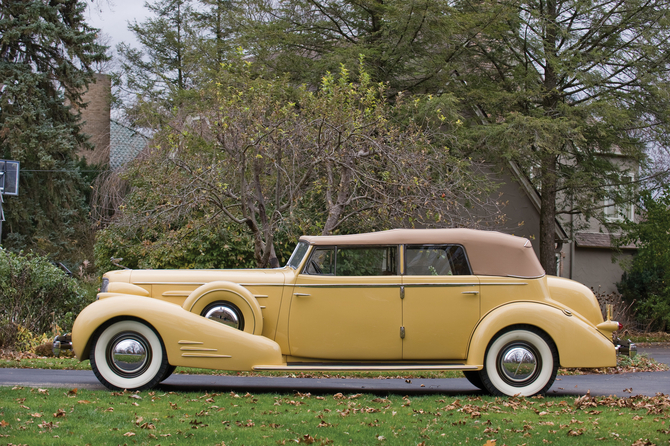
pixel 61 416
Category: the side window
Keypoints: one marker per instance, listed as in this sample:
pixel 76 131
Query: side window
pixel 322 261
pixel 447 260
pixel 367 261
pixel 353 261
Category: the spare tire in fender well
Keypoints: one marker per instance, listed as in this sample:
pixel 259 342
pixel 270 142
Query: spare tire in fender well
pixel 231 292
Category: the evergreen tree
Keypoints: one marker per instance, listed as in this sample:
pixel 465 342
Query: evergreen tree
pixel 568 89
pixel 164 65
pixel 46 53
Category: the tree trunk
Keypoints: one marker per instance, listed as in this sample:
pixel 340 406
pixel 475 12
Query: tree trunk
pixel 549 161
pixel 548 214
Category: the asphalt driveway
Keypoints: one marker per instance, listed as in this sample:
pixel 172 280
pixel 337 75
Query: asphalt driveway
pixel 626 384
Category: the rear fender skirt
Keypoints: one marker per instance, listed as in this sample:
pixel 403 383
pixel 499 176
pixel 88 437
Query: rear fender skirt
pixel 579 343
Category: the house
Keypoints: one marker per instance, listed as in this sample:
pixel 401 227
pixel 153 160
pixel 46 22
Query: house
pixel 586 255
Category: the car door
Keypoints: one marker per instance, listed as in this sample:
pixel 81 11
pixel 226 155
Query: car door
pixel 441 303
pixel 346 305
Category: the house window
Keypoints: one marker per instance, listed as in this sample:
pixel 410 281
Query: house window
pixel 620 212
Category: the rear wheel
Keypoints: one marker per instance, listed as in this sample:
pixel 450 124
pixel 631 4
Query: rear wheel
pixel 520 361
pixel 129 355
pixel 474 379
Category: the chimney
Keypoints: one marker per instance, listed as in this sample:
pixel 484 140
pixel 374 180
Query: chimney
pixel 96 119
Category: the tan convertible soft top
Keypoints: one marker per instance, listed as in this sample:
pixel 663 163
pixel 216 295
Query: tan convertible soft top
pixel 490 253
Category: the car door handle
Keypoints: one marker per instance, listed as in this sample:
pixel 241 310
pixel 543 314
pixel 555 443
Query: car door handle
pixel 301 294
pixel 470 292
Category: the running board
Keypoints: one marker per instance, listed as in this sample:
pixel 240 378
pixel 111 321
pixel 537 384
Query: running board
pixel 321 367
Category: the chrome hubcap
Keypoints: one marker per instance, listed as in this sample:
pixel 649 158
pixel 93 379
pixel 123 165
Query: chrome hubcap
pixel 518 364
pixel 129 354
pixel 225 315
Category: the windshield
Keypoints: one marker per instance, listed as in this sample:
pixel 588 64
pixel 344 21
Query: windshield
pixel 298 254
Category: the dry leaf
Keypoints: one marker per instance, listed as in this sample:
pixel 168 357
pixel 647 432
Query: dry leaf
pixel 129 434
pixel 72 392
pixel 3 423
pixel 59 414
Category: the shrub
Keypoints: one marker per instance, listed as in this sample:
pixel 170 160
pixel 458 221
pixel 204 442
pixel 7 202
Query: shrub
pixel 36 297
pixel 647 281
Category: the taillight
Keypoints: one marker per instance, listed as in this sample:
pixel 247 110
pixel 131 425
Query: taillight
pixel 620 326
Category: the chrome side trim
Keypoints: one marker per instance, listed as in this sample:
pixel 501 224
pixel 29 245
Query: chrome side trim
pixel 424 285
pixel 190 342
pixel 204 283
pixel 503 283
pixel 344 368
pixel 391 285
pixel 260 296
pixel 199 355
pixel 197 349
pixel 176 294
pixel 349 285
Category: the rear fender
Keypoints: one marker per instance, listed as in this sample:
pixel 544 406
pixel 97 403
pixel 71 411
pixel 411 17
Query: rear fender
pixel 231 292
pixel 190 340
pixel 579 343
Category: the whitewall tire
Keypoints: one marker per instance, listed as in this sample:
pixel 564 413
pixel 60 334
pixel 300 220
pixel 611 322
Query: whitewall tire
pixel 128 355
pixel 520 361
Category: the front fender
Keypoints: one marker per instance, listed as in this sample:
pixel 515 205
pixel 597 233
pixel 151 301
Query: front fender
pixel 578 342
pixel 190 340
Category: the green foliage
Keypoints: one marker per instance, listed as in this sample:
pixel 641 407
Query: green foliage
pixel 37 128
pixel 195 245
pixel 256 155
pixel 36 297
pixel 647 281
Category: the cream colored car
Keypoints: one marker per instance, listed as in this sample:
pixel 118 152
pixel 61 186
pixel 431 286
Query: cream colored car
pixel 429 299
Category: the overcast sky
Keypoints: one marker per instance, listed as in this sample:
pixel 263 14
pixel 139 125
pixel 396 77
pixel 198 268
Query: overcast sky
pixel 112 17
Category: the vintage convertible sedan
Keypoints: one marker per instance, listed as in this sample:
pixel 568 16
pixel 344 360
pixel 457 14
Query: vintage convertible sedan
pixel 404 299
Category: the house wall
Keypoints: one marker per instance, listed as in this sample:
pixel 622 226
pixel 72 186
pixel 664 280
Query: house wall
pixel 523 218
pixel 594 268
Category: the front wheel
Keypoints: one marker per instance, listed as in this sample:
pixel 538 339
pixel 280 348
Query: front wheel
pixel 129 355
pixel 520 361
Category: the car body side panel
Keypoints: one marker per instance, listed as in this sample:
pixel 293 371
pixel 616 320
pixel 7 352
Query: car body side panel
pixel 579 344
pixel 190 340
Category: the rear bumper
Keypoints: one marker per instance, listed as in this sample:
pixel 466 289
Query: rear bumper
pixel 625 347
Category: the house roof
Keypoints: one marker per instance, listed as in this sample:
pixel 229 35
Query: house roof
pixel 597 240
pixel 124 144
